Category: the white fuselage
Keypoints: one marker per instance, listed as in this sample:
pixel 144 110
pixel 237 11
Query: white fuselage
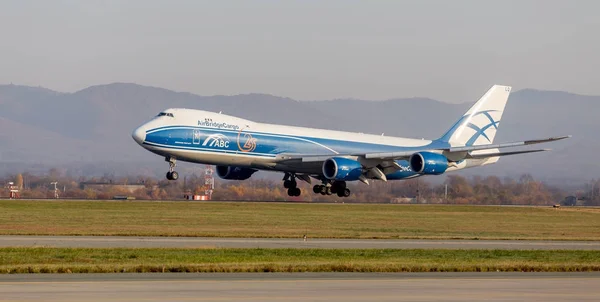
pixel 212 138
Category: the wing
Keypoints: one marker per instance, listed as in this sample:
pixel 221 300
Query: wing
pixel 454 154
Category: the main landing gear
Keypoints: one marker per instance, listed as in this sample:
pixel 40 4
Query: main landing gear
pixel 289 182
pixel 172 174
pixel 337 187
pixel 327 188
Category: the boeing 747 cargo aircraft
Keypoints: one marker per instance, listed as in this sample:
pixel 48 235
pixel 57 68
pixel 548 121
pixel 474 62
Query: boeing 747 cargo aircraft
pixel 240 147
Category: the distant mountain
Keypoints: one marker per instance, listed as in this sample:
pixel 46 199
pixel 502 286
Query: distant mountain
pixel 91 128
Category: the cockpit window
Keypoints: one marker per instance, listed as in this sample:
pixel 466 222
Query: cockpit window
pixel 166 114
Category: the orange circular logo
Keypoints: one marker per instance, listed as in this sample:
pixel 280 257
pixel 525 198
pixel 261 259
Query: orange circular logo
pixel 245 142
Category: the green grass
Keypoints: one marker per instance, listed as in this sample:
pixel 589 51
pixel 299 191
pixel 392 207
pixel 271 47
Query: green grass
pixel 239 219
pixel 62 260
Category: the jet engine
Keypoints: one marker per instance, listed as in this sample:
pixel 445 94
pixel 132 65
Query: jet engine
pixel 428 163
pixel 234 173
pixel 342 169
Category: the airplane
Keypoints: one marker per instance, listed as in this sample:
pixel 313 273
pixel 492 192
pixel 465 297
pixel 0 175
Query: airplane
pixel 239 147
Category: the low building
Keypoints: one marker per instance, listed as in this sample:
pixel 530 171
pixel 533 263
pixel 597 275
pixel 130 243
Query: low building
pixel 196 197
pixel 572 201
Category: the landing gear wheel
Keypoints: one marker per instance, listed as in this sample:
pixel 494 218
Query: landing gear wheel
pixel 323 190
pixel 288 184
pixel 172 175
pixel 338 187
pixel 334 188
pixel 317 189
pixel 294 192
pixel 328 190
pixel 343 193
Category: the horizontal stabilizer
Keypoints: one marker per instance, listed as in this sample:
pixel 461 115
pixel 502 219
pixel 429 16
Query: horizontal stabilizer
pixel 507 145
pixel 496 154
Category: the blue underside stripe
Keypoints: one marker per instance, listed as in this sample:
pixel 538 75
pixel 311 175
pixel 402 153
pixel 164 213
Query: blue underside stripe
pixel 209 150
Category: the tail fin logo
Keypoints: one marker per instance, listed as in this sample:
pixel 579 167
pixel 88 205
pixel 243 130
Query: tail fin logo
pixel 479 125
pixel 481 131
pixel 467 121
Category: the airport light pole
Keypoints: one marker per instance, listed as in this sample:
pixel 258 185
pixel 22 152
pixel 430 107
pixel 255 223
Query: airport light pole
pixel 446 192
pixel 55 189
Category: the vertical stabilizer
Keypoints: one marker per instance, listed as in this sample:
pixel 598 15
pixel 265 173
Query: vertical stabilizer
pixel 479 125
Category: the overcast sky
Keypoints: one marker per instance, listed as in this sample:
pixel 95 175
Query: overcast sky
pixel 447 50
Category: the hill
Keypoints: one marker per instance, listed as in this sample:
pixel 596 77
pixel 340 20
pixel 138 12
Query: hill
pixel 92 127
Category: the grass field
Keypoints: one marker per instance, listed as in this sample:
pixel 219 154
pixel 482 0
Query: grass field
pixel 239 219
pixel 55 260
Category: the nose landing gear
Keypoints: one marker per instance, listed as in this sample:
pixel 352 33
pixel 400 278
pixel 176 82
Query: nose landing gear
pixel 172 174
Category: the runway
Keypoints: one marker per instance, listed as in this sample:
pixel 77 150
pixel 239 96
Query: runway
pixel 199 242
pixel 302 287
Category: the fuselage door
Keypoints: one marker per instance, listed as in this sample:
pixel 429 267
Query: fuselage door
pixel 196 137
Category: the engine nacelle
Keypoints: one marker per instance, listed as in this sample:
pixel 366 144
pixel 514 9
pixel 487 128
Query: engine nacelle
pixel 234 173
pixel 339 168
pixel 428 163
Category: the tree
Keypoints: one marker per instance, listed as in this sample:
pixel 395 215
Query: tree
pixel 54 173
pixel 460 187
pixel 90 194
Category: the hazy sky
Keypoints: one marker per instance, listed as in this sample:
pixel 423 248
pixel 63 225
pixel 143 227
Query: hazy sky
pixel 448 50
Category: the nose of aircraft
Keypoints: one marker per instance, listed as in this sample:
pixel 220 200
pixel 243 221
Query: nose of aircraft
pixel 139 135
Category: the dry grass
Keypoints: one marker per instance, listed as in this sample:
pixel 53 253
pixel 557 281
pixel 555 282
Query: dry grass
pixel 229 219
pixel 56 260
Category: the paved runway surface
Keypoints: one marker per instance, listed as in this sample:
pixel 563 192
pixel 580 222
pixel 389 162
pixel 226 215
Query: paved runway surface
pixel 193 242
pixel 302 287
